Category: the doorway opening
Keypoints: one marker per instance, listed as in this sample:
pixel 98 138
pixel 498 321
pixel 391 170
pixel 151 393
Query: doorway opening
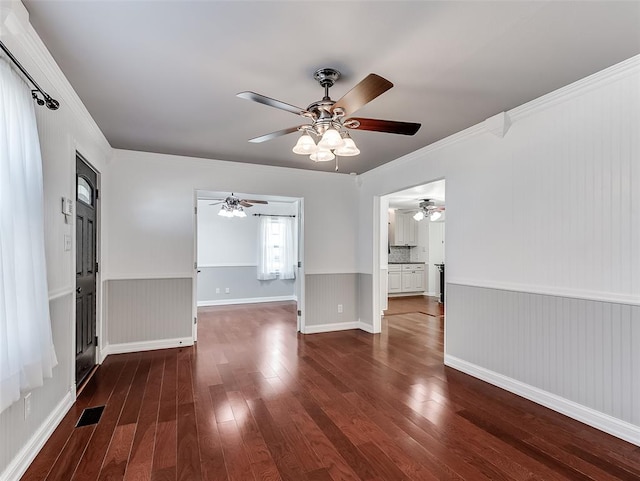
pixel 411 245
pixel 86 269
pixel 252 257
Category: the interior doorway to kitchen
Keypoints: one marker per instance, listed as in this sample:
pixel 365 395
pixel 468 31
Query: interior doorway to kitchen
pixel 412 252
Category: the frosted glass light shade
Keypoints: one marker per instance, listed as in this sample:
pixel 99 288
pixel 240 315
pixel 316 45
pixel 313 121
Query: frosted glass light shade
pixel 435 215
pixel 348 148
pixel 305 145
pixel 322 155
pixel 239 212
pixel 331 140
pixel 419 215
pixel 225 211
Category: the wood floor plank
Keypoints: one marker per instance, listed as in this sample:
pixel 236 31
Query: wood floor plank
pixel 115 461
pixel 254 400
pixel 141 457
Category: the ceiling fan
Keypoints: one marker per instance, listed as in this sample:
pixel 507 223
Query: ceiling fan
pixel 330 119
pixel 428 208
pixel 233 206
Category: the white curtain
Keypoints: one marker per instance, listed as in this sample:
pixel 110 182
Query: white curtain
pixel 287 270
pixel 26 346
pixel 276 248
pixel 265 251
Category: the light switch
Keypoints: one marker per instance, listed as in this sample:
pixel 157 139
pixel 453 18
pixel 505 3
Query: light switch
pixel 67 242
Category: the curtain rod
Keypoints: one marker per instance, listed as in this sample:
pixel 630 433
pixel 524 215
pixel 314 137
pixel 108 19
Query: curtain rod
pixel 49 101
pixel 272 215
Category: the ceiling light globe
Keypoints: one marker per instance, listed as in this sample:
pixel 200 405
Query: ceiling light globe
pixel 225 211
pixel 348 148
pixel 239 212
pixel 322 155
pixel 435 215
pixel 419 216
pixel 331 139
pixel 305 145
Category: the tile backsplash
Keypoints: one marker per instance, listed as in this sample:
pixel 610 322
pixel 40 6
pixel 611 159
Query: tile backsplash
pixel 399 254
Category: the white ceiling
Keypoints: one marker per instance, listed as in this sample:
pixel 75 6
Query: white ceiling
pixel 162 76
pixel 410 198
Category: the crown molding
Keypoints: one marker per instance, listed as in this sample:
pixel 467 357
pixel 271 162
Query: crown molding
pixel 20 36
pixel 579 87
pixel 561 95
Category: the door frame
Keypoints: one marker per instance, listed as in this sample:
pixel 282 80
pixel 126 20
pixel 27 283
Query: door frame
pixel 380 209
pixel 200 194
pixel 77 152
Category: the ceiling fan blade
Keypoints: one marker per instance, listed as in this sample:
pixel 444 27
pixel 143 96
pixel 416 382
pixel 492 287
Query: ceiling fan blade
pixel 262 99
pixel 390 126
pixel 245 204
pixel 273 135
pixel 218 203
pixel 252 201
pixel 368 89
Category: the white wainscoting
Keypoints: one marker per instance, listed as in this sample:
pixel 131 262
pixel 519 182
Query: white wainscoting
pixel 578 356
pixel 243 284
pixel 148 310
pixel 324 292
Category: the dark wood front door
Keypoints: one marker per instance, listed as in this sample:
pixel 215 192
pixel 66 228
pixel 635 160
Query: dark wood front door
pixel 86 263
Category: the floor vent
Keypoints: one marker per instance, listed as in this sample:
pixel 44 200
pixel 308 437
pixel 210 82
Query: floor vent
pixel 90 416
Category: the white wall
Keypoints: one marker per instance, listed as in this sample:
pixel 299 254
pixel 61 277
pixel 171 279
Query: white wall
pixel 151 218
pixel 552 208
pixel 62 132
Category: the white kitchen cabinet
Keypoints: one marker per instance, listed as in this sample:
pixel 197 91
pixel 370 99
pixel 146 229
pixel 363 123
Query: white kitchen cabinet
pixel 395 279
pixel 412 277
pixel 403 229
pixel 406 278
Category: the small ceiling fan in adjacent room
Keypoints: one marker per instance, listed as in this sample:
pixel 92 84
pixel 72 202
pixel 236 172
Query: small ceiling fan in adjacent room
pixel 233 206
pixel 429 209
pixel 330 120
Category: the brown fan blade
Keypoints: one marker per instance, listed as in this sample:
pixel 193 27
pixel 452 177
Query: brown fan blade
pixel 245 204
pixel 390 126
pixel 218 203
pixel 371 87
pixel 273 135
pixel 262 99
pixel 252 201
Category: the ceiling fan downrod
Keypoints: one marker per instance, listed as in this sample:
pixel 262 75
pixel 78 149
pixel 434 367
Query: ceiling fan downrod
pixel 326 77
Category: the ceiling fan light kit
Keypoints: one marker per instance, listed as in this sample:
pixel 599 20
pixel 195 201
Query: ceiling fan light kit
pixel 232 206
pixel 322 155
pixel 328 122
pixel 428 209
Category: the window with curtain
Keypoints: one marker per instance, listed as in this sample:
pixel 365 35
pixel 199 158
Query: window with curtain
pixel 26 346
pixel 276 248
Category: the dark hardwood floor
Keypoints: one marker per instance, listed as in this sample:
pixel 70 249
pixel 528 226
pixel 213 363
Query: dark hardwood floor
pixel 256 401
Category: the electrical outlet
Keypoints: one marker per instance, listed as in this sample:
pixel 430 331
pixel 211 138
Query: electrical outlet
pixel 27 405
pixel 217 290
pixel 67 242
pixel 339 308
pixel 226 290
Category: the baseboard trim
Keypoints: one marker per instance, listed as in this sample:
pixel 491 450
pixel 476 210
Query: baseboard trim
pixel 247 300
pixel 18 466
pixel 366 327
pixel 604 422
pixel 335 326
pixel 146 345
